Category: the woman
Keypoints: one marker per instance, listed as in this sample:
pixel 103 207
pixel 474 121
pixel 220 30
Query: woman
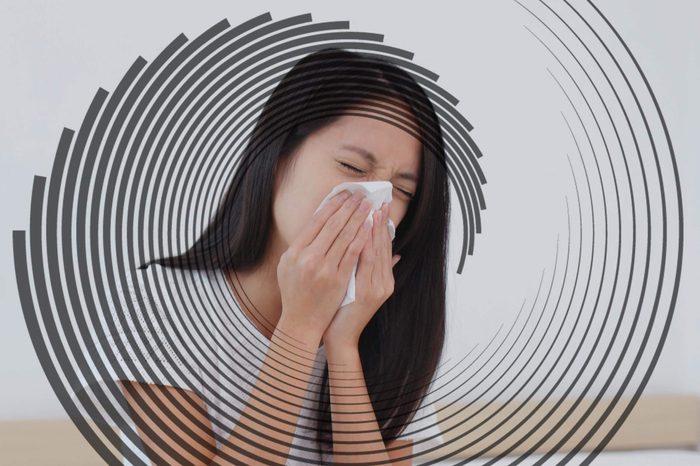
pixel 337 116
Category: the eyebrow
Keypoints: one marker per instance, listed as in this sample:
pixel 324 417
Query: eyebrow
pixel 372 160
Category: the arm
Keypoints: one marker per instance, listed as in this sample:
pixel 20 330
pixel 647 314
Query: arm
pixel 352 413
pixel 279 391
pixel 182 436
pixel 282 382
pixel 312 275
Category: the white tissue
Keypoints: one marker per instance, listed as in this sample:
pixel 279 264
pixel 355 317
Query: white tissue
pixel 377 192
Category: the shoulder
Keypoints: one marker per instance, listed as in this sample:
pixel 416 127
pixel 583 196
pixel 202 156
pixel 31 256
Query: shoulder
pixel 154 315
pixel 400 448
pixel 149 333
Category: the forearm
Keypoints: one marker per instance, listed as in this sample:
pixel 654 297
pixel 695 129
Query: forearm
pixel 275 401
pixel 352 411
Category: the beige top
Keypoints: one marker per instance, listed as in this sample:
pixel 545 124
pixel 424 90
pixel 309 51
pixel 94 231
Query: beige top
pixel 212 349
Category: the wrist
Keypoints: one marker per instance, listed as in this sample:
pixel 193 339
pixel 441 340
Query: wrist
pixel 339 350
pixel 340 338
pixel 298 332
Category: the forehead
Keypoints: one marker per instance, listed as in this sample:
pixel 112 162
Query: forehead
pixel 391 141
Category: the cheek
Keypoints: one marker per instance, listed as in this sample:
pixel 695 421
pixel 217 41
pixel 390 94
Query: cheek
pixel 397 211
pixel 298 198
pixel 286 217
pixel 294 208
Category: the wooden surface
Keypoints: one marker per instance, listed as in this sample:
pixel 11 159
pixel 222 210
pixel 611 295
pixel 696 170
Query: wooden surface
pixel 661 421
pixel 45 442
pixel 655 422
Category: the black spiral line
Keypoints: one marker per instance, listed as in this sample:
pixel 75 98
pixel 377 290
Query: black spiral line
pixel 91 187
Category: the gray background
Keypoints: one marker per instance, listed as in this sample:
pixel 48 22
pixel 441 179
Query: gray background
pixel 56 54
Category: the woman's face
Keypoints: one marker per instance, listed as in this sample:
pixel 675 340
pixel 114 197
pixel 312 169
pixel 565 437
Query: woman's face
pixel 331 155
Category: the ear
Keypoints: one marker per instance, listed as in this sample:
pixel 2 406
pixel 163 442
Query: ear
pixel 395 260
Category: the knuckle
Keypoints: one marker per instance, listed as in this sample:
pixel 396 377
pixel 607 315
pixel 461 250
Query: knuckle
pixel 356 248
pixel 327 274
pixel 310 261
pixel 290 254
pixel 343 237
pixel 334 222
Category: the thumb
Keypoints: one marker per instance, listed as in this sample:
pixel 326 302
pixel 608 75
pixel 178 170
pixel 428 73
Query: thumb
pixel 395 260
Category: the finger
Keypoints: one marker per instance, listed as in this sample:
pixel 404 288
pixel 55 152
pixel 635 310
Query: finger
pixel 319 219
pixel 365 264
pixel 335 224
pixel 348 233
pixel 380 259
pixel 374 245
pixel 385 231
pixel 377 234
pixel 387 262
pixel 381 232
pixel 353 251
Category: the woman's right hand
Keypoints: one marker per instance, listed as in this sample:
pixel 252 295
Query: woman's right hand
pixel 313 273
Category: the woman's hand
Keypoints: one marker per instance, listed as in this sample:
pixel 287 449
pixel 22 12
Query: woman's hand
pixel 314 272
pixel 374 284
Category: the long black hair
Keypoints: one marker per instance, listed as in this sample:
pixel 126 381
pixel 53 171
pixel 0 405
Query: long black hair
pixel 401 346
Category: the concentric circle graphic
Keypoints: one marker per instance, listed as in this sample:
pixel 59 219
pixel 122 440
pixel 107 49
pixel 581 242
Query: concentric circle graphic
pixel 152 161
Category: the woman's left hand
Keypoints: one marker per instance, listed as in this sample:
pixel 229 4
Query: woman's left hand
pixel 374 283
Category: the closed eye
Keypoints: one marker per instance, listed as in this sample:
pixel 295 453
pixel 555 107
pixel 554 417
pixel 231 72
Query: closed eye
pixel 357 170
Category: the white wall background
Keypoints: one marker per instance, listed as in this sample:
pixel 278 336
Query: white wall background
pixel 54 55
